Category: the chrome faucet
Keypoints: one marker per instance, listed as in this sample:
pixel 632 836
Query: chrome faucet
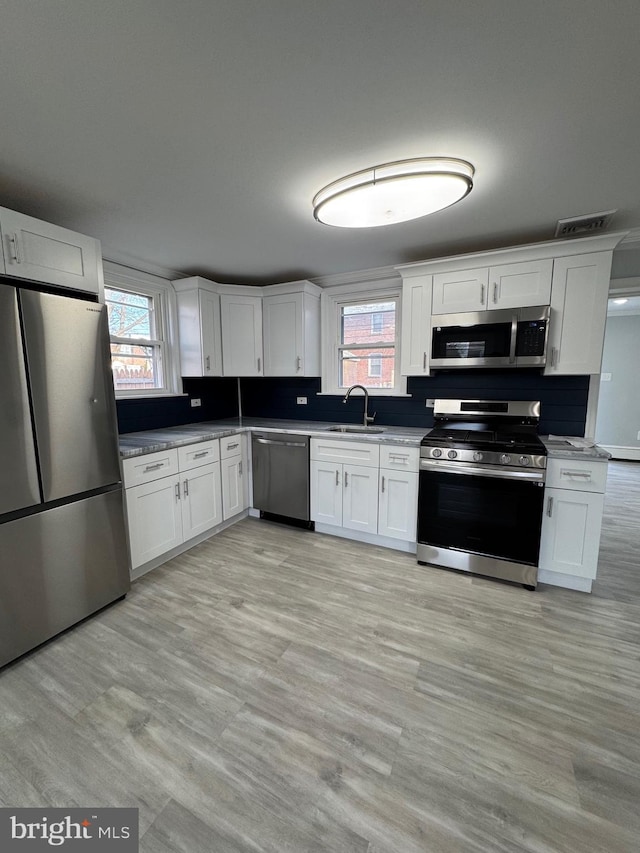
pixel 367 418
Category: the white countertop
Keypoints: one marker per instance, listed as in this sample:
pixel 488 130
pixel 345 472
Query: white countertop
pixel 150 441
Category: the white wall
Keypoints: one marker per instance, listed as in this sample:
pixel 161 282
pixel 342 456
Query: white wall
pixel 618 421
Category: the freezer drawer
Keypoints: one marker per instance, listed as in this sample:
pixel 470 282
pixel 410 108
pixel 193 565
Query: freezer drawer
pixel 58 566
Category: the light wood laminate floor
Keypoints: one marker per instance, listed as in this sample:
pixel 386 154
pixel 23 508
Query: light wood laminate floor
pixel 277 690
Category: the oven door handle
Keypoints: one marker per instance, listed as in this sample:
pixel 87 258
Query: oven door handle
pixel 474 470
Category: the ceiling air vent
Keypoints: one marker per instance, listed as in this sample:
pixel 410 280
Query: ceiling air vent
pixel 581 226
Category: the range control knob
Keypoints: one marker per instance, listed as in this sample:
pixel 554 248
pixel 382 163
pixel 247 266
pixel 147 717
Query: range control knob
pixel 505 459
pixel 525 460
pixel 436 452
pixel 477 456
pixel 452 454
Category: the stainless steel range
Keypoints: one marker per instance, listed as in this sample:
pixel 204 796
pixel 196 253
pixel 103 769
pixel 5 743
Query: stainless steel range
pixel 481 492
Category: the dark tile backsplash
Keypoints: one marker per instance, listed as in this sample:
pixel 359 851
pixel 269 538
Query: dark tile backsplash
pixel 563 399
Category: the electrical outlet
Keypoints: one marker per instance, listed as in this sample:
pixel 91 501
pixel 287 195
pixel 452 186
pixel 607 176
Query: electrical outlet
pixel 429 403
pixel 301 401
pixel 195 402
pixel 605 377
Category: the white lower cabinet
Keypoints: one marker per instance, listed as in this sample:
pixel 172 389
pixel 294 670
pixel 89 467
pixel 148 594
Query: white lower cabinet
pixel 154 517
pixel 174 496
pixel 235 490
pixel 572 521
pixel 398 509
pixel 365 498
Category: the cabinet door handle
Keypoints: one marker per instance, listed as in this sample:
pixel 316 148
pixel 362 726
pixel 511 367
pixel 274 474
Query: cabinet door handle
pixel 337 478
pixel 186 488
pixel 153 467
pixel 346 479
pixel 177 491
pixel 424 360
pixel 495 292
pixel 298 363
pixel 13 239
pixel 482 294
pixel 259 362
pixel 550 507
pixel 208 362
pixel 240 468
pixel 382 485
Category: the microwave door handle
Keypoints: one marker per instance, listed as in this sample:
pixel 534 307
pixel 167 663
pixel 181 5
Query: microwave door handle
pixel 514 337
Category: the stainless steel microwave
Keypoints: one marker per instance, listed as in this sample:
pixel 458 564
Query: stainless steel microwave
pixel 502 338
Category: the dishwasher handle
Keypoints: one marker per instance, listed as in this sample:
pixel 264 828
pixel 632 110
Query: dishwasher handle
pixel 281 443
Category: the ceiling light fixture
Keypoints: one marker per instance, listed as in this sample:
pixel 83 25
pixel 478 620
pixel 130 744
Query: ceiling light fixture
pixel 393 192
pixel 620 301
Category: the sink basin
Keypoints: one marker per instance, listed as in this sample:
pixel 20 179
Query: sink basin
pixel 355 428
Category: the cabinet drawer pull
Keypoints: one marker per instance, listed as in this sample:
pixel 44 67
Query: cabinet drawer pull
pixel 13 239
pixel 550 507
pixel 177 491
pixel 586 475
pixel 424 360
pixel 382 485
pixel 201 453
pixel 186 488
pixel 232 446
pixel 153 467
pixel 397 458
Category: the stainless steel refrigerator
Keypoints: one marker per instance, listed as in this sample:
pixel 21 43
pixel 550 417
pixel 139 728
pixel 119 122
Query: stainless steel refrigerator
pixel 62 540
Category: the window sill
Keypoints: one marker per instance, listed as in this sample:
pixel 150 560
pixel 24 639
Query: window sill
pixel 149 396
pixel 373 392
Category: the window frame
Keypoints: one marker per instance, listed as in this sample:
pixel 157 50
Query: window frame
pixel 333 299
pixel 378 364
pixel 161 291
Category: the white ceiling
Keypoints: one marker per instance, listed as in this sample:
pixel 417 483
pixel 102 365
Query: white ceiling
pixel 192 134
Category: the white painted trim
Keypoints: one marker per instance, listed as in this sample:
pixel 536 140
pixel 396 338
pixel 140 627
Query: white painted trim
pixel 185 546
pixel 144 282
pixel 629 242
pixel 368 538
pixel 592 404
pixel 515 254
pixel 123 259
pixel 368 277
pixel 624 286
pixel 619 451
pixel 574 582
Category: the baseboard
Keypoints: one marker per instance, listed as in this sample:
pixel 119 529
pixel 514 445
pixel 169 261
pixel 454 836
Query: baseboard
pixel 618 451
pixel 566 581
pixel 139 571
pixel 368 538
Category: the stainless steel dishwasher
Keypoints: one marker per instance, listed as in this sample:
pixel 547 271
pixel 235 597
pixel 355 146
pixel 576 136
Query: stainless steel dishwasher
pixel 281 475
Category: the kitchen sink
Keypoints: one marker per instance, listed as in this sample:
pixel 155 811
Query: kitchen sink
pixel 355 428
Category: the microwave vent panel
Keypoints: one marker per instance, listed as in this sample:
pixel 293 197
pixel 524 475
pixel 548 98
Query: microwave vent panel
pixel 582 226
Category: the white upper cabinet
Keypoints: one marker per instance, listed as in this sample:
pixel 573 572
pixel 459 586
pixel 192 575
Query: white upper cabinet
pixel 578 314
pixel 39 251
pixel 416 325
pixel 517 285
pixel 241 316
pixel 460 291
pixel 291 327
pixel 199 327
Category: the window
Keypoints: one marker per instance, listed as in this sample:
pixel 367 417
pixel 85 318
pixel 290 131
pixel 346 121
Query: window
pixel 138 307
pixel 360 338
pixel 375 365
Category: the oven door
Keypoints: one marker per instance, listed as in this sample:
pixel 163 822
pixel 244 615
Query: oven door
pixel 481 510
